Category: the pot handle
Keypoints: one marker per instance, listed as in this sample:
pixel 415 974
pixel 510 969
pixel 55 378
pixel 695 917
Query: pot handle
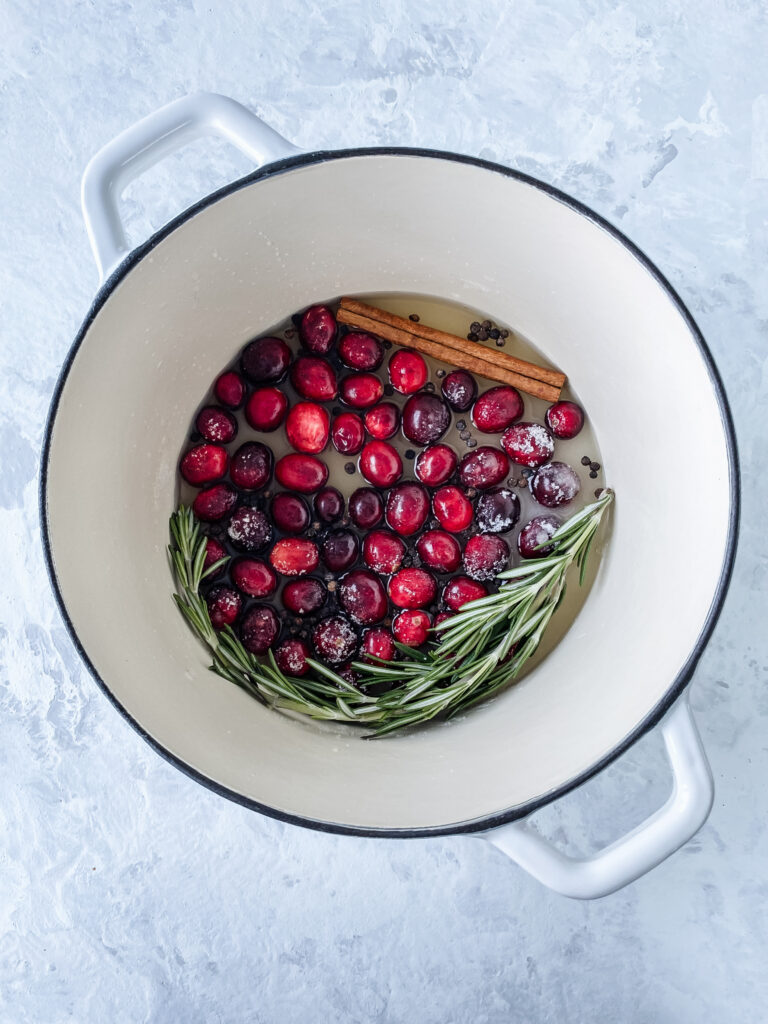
pixel 147 142
pixel 654 840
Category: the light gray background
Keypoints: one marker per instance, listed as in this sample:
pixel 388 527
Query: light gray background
pixel 129 893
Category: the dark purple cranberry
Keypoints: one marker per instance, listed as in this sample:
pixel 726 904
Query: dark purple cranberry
pixel 407 508
pixel 317 330
pixel 483 467
pixel 307 427
pixel 555 484
pixel 259 629
pixel 254 577
pixel 289 512
pixel 411 627
pixel 452 509
pixel 528 444
pixel 214 502
pixel 214 552
pixel 497 510
pixel 230 389
pixel 412 588
pixel 294 556
pixel 382 421
pixel 408 372
pixel 362 597
pixel 304 597
pixel 265 409
pixel 460 590
pixel 439 550
pixel 426 418
pixel 366 509
pixel 378 643
pixel 485 556
pixel 329 505
pixel 291 657
pixel 251 466
pixel 339 550
pixel 381 464
pixel 314 379
pixel 335 640
pixel 436 464
pixel 565 419
pixel 265 360
pixel 361 351
pixel 216 424
pixel 347 433
pixel 203 464
pixel 459 390
pixel 303 473
pixel 249 529
pixel 361 390
pixel 532 539
pixel 223 606
pixel 497 409
pixel 383 551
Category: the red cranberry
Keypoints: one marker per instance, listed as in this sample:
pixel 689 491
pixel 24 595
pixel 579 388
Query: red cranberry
pixel 340 550
pixel 407 508
pixel 361 390
pixel 307 427
pixel 361 351
pixel 452 509
pixel 383 551
pixel 366 509
pixel 314 379
pixel 214 552
pixel 329 505
pixel 347 433
pixel 528 444
pixel 362 597
pixel 291 657
pixel 302 473
pixel 439 550
pixel 265 409
pixel 304 597
pixel 459 390
pixel 289 512
pixel 565 419
pixel 216 424
pixel 555 484
pixel 442 617
pixel 223 606
pixel 214 502
pixel 497 510
pixel 407 372
pixel 497 409
pixel 347 673
pixel 532 539
pixel 382 421
pixel 249 529
pixel 411 628
pixel 317 330
pixel 425 418
pixel 265 360
pixel 259 629
pixel 335 640
pixel 462 589
pixel 484 467
pixel 203 464
pixel 378 643
pixel 381 464
pixel 251 466
pixel 294 556
pixel 230 389
pixel 412 588
pixel 485 556
pixel 436 464
pixel 253 577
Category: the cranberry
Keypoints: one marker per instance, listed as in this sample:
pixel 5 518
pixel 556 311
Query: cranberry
pixel 265 409
pixel 528 444
pixel 460 590
pixel 335 640
pixel 329 505
pixel 361 390
pixel 302 473
pixel 291 657
pixel 452 509
pixel 459 390
pixel 314 378
pixel 382 421
pixel 203 464
pixel 259 629
pixel 230 389
pixel 214 502
pixel 436 464
pixel 484 467
pixel 253 577
pixel 565 419
pixel 442 617
pixel 485 556
pixel 340 550
pixel 216 424
pixel 411 628
pixel 214 552
pixel 383 551
pixel 407 508
pixel 366 509
pixel 361 351
pixel 307 427
pixel 381 464
pixel 439 550
pixel 425 418
pixel 347 673
pixel 407 372
pixel 378 643
pixel 347 433
pixel 265 360
pixel 412 588
pixel 317 330
pixel 497 510
pixel 223 606
pixel 289 512
pixel 294 556
pixel 304 597
pixel 532 539
pixel 251 466
pixel 555 484
pixel 249 529
pixel 362 597
pixel 497 409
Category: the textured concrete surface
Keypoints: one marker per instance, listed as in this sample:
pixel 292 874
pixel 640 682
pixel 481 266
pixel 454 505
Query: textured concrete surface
pixel 129 893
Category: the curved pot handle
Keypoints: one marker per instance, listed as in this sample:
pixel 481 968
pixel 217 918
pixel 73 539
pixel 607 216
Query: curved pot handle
pixel 147 142
pixel 649 844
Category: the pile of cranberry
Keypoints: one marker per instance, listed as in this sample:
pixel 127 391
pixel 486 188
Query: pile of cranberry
pixel 398 556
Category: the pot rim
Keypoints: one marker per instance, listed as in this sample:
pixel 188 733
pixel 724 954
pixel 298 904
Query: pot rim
pixel 678 684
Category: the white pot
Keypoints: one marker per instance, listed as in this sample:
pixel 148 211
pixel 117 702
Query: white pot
pixel 305 227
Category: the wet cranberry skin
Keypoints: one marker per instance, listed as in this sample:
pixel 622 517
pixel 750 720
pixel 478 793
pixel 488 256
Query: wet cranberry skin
pixel 382 421
pixel 314 378
pixel 380 464
pixel 304 596
pixel 452 509
pixel 361 351
pixel 203 464
pixel 426 418
pixel 497 510
pixel 565 419
pixel 329 505
pixel 535 533
pixel 497 409
pixel 555 484
pixel 214 552
pixel 361 390
pixel 303 473
pixel 485 556
pixel 528 444
pixel 484 467
pixel 439 550
pixel 223 606
pixel 307 427
pixel 460 590
pixel 251 466
pixel 214 502
pixel 363 598
pixel 366 509
pixel 265 409
pixel 230 389
pixel 412 588
pixel 254 577
pixel 378 643
pixel 249 529
pixel 383 551
pixel 317 330
pixel 289 512
pixel 436 464
pixel 442 617
pixel 339 550
pixel 411 627
pixel 294 556
pixel 407 508
pixel 408 372
pixel 347 433
pixel 265 360
pixel 335 640
pixel 259 629
pixel 291 657
pixel 216 425
pixel 459 390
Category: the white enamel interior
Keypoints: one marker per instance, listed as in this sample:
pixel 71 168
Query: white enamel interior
pixel 402 224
